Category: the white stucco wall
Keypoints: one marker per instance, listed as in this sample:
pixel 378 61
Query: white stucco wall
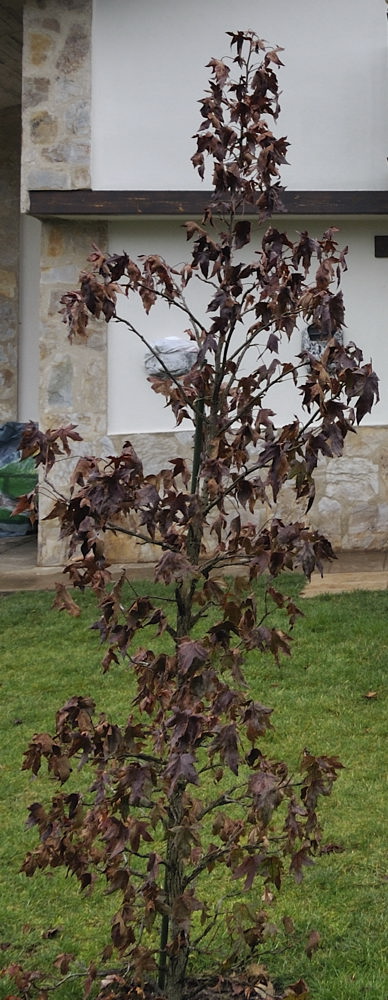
pixel 148 73
pixel 134 407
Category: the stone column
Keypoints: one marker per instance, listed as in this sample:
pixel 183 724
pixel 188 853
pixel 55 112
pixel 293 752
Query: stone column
pixel 56 109
pixel 9 254
pixel 56 95
pixel 73 377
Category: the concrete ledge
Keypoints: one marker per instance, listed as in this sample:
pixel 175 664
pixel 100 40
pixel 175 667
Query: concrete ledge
pixel 339 583
pixel 355 570
pixel 19 571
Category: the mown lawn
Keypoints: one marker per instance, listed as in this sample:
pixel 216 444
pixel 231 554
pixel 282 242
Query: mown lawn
pixel 329 697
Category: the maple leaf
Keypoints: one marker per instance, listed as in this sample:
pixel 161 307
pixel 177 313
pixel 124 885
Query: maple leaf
pixel 220 69
pixel 257 720
pixel 64 602
pixel 37 815
pixel 27 503
pixel 181 768
pixel 248 869
pixel 191 655
pixel 368 393
pixel 184 906
pixel 300 860
pixel 138 830
pixel 242 233
pixel 193 229
pixel 225 744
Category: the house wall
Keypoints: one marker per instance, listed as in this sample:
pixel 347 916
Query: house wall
pixel 134 407
pixel 148 72
pixel 119 114
pixel 350 508
pixel 351 505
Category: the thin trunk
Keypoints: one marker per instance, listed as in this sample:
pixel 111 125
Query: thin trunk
pixel 174 942
pixel 173 964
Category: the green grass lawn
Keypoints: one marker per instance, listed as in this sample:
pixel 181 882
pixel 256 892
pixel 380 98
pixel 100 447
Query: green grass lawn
pixel 329 696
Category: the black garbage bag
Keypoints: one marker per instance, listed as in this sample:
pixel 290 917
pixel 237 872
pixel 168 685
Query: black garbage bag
pixel 17 476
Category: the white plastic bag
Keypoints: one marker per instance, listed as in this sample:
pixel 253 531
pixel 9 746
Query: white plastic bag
pixel 177 353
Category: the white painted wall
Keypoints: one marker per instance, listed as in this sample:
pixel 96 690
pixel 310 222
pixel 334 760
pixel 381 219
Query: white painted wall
pixel 134 407
pixel 148 73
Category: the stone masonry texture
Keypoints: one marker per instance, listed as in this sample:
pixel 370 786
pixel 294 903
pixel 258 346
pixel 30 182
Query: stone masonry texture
pixel 9 260
pixel 56 95
pixel 350 509
pixel 73 377
pixel 351 506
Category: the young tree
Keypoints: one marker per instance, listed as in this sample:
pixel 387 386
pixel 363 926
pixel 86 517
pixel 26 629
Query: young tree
pixel 189 757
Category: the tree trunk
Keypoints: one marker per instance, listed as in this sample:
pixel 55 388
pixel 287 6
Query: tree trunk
pixel 178 940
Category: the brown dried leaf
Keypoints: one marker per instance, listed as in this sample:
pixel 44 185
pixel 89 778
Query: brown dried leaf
pixel 63 962
pixel 299 989
pixel 288 925
pixel 313 943
pixel 63 601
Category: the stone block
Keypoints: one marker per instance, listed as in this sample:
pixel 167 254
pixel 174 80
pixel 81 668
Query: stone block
pixel 67 152
pixel 80 178
pixel 55 244
pixel 8 283
pixel 7 319
pixel 44 178
pixel 35 91
pixel 75 50
pixel 40 46
pixel 77 118
pixel 326 517
pixel 43 127
pixel 353 476
pixel 382 517
pixel 361 529
pixel 7 377
pixel 62 274
pixel 54 304
pixel 51 24
pixel 59 391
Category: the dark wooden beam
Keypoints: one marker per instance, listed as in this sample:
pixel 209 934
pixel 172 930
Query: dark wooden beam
pixel 44 204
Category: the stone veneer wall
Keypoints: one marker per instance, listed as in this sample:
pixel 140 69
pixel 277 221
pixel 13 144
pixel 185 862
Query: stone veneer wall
pixel 73 377
pixel 351 506
pixel 56 95
pixel 56 114
pixel 9 256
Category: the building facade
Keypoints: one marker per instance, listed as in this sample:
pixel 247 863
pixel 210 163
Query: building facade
pixel 98 104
